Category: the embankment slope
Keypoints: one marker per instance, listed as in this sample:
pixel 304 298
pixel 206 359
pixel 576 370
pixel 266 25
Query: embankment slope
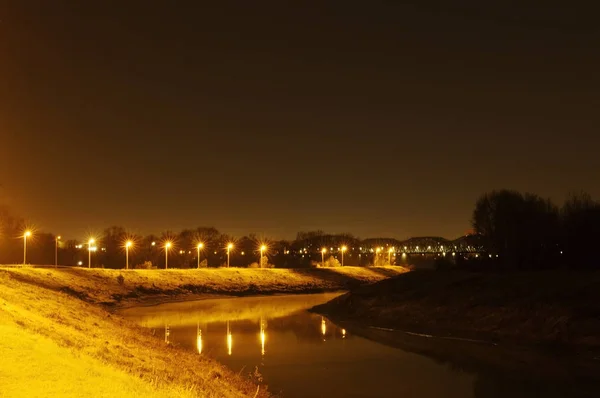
pixel 533 307
pixel 131 287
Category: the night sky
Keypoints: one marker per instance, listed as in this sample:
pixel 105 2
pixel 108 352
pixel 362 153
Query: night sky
pixel 370 117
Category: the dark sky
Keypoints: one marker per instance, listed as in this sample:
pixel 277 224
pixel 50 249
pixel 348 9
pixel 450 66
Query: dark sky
pixel 380 118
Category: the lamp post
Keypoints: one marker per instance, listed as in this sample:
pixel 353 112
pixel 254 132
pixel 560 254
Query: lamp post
pixel 167 247
pixel 262 250
pixel 323 251
pixel 344 248
pixel 128 244
pixel 90 243
pixel 56 251
pixel 199 247
pixel 390 250
pixel 26 235
pixel 229 247
pixel 377 250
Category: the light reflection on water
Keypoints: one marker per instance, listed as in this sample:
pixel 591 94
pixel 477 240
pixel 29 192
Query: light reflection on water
pixel 305 355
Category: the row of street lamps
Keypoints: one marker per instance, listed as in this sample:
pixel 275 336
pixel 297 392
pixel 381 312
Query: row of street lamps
pixel 167 247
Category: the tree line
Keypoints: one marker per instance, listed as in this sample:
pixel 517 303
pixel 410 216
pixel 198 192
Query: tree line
pixel 526 231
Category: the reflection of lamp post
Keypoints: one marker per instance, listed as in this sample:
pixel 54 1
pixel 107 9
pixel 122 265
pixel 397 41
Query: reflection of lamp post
pixel 229 247
pixel 262 250
pixel 229 339
pixel 167 247
pixel 167 333
pixel 323 327
pixel 128 244
pixel 26 235
pixel 263 336
pixel 344 248
pixel 199 339
pixel 377 250
pixel 390 255
pixel 56 251
pixel 323 251
pixel 199 247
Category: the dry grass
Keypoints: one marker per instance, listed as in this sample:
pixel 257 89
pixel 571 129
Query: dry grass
pixel 53 344
pixel 138 286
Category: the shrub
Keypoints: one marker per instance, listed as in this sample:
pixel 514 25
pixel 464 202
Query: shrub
pixel 145 265
pixel 204 263
pixel 120 279
pixel 331 262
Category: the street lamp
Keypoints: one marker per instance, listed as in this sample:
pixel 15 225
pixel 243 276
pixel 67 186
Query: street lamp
pixel 56 251
pixel 167 247
pixel 344 248
pixel 262 250
pixel 128 244
pixel 199 247
pixel 26 235
pixel 90 243
pixel 323 251
pixel 229 247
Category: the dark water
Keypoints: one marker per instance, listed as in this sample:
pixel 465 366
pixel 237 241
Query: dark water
pixel 300 354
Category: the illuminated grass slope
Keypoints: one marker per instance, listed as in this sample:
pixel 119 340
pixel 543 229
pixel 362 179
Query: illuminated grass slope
pixel 53 344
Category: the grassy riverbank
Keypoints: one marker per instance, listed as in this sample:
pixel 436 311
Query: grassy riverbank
pixel 53 344
pixel 553 307
pixel 58 337
pixel 127 287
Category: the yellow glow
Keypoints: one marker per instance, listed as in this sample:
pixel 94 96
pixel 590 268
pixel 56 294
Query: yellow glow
pixel 200 245
pixel 199 343
pixel 378 250
pixel 391 250
pixel 343 332
pixel 128 243
pixel 153 243
pixel 344 248
pixel 168 245
pixel 230 246
pixel 323 250
pixel 229 343
pixel 323 326
pixel 27 234
pixel 263 338
pixel 91 241
pixel 58 237
pixel 263 248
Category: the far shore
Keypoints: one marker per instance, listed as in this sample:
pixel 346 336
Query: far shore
pixel 125 288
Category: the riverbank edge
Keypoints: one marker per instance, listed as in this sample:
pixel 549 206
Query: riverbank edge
pixel 117 289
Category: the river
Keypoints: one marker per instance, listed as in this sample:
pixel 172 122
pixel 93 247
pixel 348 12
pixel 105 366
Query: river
pixel 301 354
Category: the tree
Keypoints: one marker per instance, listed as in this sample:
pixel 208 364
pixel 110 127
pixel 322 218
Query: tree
pixel 521 229
pixel 580 221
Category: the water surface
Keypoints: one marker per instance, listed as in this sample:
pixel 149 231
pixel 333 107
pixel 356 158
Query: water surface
pixel 301 354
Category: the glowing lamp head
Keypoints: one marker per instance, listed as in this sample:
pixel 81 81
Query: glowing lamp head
pixel 91 241
pixel 200 246
pixel 153 243
pixel 128 243
pixel 168 245
pixel 58 238
pixel 323 250
pixel 27 234
pixel 230 246
pixel 377 250
pixel 344 248
pixel 390 250
pixel 263 248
